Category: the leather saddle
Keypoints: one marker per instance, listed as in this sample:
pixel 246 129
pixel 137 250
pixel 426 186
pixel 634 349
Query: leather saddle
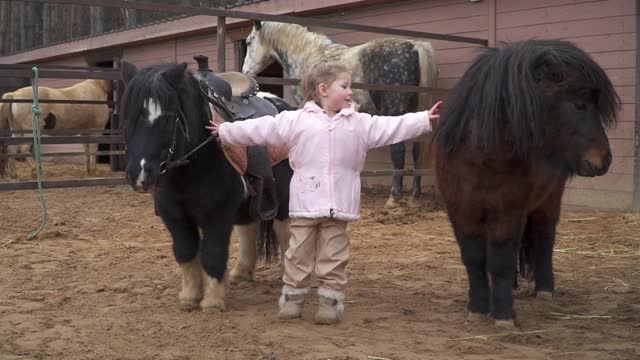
pixel 238 93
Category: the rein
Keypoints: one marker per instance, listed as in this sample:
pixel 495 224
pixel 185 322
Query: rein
pixel 181 122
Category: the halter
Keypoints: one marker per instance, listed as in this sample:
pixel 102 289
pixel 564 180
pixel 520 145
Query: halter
pixel 214 100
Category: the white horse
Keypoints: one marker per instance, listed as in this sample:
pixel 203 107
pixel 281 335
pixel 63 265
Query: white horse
pixel 18 116
pixel 382 61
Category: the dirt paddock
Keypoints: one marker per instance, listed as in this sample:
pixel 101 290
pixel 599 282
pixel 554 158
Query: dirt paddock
pixel 100 282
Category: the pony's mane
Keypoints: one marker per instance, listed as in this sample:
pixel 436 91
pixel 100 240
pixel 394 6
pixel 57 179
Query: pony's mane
pixel 149 83
pixel 498 97
pixel 293 37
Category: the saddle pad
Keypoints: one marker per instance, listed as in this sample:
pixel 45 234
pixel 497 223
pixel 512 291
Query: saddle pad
pixel 241 84
pixel 237 156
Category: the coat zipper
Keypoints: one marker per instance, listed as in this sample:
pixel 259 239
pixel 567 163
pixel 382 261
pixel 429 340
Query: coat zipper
pixel 331 211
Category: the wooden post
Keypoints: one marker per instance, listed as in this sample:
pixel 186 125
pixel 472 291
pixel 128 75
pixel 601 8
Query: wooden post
pixel 237 56
pixel 636 189
pixel 222 36
pixel 117 162
pixel 492 23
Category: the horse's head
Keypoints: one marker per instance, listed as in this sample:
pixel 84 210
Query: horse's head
pixel 153 120
pixel 536 97
pixel 577 101
pixel 259 56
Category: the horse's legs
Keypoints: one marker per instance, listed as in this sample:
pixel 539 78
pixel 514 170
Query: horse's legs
pixel 185 249
pixel 501 267
pixel 11 162
pixel 468 229
pixel 472 248
pixel 397 159
pixel 90 160
pixel 214 255
pixel 416 190
pixel 281 228
pixel 16 149
pixel 29 149
pixel 191 292
pixel 503 232
pixel 244 269
pixel 543 234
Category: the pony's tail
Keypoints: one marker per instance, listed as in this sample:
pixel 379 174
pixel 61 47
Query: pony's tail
pixel 428 73
pixel 5 119
pixel 526 254
pixel 428 78
pixel 268 245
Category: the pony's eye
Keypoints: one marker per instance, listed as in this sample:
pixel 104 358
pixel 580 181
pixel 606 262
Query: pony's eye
pixel 556 76
pixel 580 106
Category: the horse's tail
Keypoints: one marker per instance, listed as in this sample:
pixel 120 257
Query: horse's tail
pixel 5 124
pixel 267 241
pixel 526 254
pixel 428 78
pixel 428 73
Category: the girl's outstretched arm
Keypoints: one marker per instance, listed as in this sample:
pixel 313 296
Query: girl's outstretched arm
pixel 387 130
pixel 265 131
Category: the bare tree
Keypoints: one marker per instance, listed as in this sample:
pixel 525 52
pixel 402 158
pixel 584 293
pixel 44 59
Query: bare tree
pixel 26 25
pixel 97 20
pixel 47 24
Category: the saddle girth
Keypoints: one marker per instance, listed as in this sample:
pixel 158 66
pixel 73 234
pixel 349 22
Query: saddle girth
pixel 237 93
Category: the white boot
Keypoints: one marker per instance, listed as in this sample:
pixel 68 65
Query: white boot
pixel 330 306
pixel 291 302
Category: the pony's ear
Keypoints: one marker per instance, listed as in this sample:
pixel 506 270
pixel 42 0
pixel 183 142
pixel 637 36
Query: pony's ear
pixel 128 72
pixel 257 25
pixel 548 71
pixel 175 75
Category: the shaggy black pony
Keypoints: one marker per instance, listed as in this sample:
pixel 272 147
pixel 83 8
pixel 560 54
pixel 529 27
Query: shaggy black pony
pixel 199 200
pixel 521 121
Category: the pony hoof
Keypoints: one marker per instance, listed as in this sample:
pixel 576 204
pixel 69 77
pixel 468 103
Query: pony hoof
pixel 477 317
pixel 415 203
pixel 508 325
pixel 544 295
pixel 391 203
pixel 189 302
pixel 212 306
pixel 239 275
pixel 189 305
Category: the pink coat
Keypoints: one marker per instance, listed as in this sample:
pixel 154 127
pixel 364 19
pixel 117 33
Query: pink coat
pixel 326 154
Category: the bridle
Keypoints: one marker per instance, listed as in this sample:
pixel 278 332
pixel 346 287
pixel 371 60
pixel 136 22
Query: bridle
pixel 216 101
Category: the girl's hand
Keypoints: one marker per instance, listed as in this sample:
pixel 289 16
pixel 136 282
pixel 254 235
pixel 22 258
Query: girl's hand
pixel 214 127
pixel 433 112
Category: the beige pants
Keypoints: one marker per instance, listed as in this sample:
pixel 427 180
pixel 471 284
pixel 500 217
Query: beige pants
pixel 320 246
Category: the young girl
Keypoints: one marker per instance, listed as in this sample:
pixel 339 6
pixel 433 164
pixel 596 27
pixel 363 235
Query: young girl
pixel 328 142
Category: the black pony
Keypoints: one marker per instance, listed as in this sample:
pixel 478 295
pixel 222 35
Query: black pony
pixel 521 121
pixel 165 115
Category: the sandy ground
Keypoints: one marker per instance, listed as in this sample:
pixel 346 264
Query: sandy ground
pixel 100 282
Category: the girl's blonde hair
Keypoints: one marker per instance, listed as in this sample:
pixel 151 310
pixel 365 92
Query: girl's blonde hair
pixel 323 72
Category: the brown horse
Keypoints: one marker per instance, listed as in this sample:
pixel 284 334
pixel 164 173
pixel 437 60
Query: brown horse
pixel 18 116
pixel 521 121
